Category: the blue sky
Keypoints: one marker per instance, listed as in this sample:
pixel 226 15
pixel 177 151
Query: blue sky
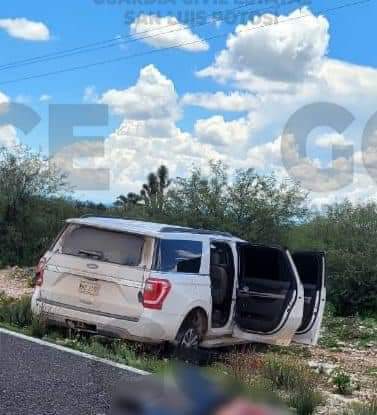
pixel 202 131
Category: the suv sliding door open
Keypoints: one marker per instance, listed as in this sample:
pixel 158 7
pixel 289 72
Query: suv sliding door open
pixel 269 303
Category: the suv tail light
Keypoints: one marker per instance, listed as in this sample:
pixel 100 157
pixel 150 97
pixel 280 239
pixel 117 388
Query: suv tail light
pixel 155 292
pixel 39 272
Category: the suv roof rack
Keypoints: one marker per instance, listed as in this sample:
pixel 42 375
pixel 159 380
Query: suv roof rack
pixel 174 229
pixel 165 229
pixel 92 215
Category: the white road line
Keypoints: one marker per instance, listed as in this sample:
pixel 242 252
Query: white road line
pixel 74 352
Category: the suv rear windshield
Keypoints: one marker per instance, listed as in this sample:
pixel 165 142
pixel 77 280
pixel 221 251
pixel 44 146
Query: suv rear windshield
pixel 178 256
pixel 103 245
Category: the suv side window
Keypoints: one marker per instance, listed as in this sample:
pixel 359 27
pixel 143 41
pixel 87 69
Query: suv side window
pixel 178 256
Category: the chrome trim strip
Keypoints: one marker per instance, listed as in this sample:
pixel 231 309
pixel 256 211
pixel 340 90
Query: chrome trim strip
pixel 95 276
pixel 86 310
pixel 263 295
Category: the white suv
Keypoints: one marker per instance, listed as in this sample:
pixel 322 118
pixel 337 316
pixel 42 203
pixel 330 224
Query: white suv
pixel 154 283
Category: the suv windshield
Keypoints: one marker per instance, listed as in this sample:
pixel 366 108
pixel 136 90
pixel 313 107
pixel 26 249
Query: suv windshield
pixel 103 245
pixel 178 256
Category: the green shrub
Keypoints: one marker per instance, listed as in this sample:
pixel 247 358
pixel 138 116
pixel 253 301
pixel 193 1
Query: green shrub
pixel 305 400
pixel 256 207
pixel 241 373
pixel 355 329
pixel 125 352
pixel 38 327
pixel 5 299
pixel 16 311
pixel 347 233
pixel 297 381
pixel 287 373
pixel 244 366
pixel 342 382
pixel 363 409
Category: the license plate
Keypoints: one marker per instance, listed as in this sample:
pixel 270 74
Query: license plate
pixel 88 287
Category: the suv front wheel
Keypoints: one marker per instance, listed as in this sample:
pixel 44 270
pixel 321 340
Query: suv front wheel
pixel 191 333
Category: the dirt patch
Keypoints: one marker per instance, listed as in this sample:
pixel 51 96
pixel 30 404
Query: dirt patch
pixel 359 364
pixel 15 282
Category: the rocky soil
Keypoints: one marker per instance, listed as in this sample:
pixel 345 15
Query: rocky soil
pixel 359 363
pixel 15 281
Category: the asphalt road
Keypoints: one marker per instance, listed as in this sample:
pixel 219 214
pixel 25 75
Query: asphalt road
pixel 36 379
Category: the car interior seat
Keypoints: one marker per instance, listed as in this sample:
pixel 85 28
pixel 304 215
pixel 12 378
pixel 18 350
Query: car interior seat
pixel 219 280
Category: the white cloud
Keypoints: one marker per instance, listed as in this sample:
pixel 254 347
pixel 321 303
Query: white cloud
pixel 133 151
pixel 282 52
pixel 217 131
pixel 161 32
pixel 265 156
pixel 312 174
pixel 331 139
pixel 22 28
pixel 152 97
pixel 83 162
pixel 3 98
pixel 45 98
pixel 149 135
pixel 90 95
pixel 233 101
pixel 8 136
pixel 345 78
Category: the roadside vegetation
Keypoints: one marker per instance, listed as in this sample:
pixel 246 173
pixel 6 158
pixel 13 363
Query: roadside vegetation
pixel 306 380
pixel 366 409
pixel 35 199
pixel 354 330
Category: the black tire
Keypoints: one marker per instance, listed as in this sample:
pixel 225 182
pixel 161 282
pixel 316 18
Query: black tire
pixel 191 333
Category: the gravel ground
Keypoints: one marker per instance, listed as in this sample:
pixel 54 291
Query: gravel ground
pixel 14 282
pixel 360 364
pixel 40 380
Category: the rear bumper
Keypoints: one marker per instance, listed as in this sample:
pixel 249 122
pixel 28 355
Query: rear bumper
pixel 152 326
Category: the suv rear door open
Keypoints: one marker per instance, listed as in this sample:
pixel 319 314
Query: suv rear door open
pixel 269 301
pixel 311 268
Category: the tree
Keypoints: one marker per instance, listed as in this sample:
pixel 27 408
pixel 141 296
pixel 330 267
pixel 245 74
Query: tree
pixel 153 192
pixel 24 175
pixel 127 202
pixel 26 179
pixel 253 206
pixel 263 208
pixel 347 233
pixel 199 200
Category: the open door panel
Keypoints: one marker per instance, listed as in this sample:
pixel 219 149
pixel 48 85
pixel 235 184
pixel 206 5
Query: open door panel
pixel 269 302
pixel 311 268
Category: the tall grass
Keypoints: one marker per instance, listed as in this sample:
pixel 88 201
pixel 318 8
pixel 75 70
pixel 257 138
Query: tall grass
pixel 274 377
pixel 15 312
pixel 363 409
pixel 287 373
